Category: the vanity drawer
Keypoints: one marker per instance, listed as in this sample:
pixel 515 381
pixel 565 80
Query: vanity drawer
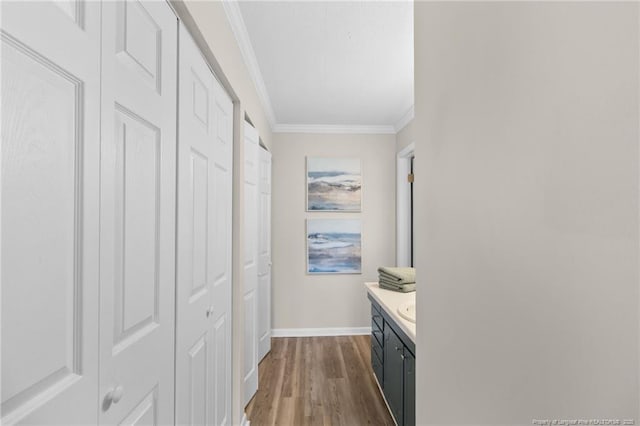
pixel 376 332
pixel 376 350
pixel 376 364
pixel 376 316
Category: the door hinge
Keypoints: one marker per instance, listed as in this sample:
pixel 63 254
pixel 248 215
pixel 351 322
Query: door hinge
pixel 410 178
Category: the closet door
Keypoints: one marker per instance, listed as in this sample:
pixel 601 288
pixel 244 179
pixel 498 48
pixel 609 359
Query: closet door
pixel 264 255
pixel 50 66
pixel 205 155
pixel 250 262
pixel 194 384
pixel 137 233
pixel 222 250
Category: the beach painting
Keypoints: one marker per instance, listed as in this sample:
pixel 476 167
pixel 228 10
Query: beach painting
pixel 334 184
pixel 334 246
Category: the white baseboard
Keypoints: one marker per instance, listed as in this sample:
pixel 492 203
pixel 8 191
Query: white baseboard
pixel 316 332
pixel 245 420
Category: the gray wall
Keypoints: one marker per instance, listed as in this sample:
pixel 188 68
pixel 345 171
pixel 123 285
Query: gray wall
pixel 328 301
pixel 527 239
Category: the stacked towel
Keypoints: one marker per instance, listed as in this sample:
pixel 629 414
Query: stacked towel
pixel 397 279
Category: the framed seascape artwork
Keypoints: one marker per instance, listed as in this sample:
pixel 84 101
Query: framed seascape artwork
pixel 334 184
pixel 334 246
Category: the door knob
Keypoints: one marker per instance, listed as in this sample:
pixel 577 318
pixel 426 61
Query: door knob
pixel 209 311
pixel 117 394
pixel 113 397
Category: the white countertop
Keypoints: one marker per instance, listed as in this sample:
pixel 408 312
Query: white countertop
pixel 389 301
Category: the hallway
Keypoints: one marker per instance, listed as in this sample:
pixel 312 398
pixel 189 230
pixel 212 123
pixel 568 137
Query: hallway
pixel 318 380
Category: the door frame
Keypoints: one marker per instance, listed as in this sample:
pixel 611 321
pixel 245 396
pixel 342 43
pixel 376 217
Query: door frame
pixel 403 205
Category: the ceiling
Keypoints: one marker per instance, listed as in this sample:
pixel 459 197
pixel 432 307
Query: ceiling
pixel 329 64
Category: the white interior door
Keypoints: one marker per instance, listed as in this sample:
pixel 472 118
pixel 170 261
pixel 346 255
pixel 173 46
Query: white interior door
pixel 137 233
pixel 205 155
pixel 264 254
pixel 222 255
pixel 50 187
pixel 250 262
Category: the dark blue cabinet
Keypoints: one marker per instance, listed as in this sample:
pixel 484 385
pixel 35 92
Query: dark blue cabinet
pixel 393 362
pixel 393 374
pixel 409 388
pixel 377 339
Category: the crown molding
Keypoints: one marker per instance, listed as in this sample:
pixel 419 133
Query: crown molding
pixel 234 16
pixel 332 128
pixel 405 119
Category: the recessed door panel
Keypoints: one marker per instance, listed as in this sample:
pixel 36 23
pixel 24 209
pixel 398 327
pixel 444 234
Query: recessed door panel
pixel 201 99
pixel 250 341
pixel 200 220
pixel 137 186
pixel 264 313
pixel 198 378
pixel 139 41
pixel 221 371
pixel 145 413
pixel 221 222
pixel 251 226
pixel 73 8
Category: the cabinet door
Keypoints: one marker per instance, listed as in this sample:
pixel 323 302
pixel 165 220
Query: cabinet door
pixel 50 133
pixel 409 388
pixel 393 373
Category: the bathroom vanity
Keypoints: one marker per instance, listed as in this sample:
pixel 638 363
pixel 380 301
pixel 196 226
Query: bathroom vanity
pixel 393 350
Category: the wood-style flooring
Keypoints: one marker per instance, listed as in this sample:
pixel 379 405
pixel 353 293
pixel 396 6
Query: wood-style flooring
pixel 318 381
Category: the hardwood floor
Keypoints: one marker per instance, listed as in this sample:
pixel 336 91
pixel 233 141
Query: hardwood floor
pixel 318 381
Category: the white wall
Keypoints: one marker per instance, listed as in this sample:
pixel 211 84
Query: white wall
pixel 328 301
pixel 527 238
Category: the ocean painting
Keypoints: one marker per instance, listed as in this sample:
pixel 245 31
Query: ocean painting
pixel 334 184
pixel 334 246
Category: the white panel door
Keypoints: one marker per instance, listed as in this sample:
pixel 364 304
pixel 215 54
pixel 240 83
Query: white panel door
pixel 250 262
pixel 205 156
pixel 222 250
pixel 264 254
pixel 195 193
pixel 50 66
pixel 137 233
